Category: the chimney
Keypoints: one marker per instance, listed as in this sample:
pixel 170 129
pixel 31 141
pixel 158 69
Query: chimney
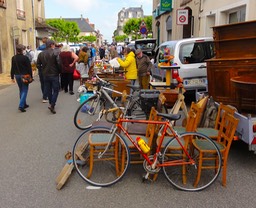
pixel 81 17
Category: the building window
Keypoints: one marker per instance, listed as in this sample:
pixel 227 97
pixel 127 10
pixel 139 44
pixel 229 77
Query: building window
pixel 20 9
pixel 237 15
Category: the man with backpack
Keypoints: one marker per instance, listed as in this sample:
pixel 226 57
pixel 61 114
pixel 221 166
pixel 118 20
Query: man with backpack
pixel 29 53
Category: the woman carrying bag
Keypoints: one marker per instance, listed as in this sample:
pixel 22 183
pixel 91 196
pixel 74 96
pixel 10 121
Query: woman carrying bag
pixel 21 66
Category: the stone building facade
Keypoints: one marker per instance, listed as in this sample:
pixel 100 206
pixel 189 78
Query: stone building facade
pixel 22 22
pixel 202 15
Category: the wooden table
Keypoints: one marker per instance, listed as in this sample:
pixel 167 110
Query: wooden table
pixel 245 84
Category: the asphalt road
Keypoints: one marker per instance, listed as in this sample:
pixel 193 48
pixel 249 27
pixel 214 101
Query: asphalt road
pixel 33 145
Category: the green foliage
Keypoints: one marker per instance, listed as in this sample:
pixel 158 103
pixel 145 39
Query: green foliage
pixel 120 38
pixel 89 38
pixel 132 26
pixel 67 30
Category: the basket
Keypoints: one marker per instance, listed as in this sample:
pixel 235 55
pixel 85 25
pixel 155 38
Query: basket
pixel 149 99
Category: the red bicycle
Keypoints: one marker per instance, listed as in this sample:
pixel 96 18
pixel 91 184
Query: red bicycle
pixel 106 153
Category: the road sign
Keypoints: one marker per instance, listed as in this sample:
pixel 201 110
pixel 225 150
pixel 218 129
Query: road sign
pixel 182 16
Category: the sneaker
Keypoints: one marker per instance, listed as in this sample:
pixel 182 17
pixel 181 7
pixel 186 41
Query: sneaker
pixel 71 93
pixel 26 106
pixel 22 110
pixel 52 109
pixel 45 101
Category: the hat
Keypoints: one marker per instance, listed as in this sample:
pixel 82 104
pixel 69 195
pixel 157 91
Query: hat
pixel 138 51
pixel 49 43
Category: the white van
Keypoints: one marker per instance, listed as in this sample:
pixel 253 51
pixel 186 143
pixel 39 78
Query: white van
pixel 190 55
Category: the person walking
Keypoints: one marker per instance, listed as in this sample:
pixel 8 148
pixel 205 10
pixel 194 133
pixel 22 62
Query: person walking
pixel 144 66
pixel 113 52
pixel 82 66
pixel 129 65
pixel 47 63
pixel 21 66
pixel 68 61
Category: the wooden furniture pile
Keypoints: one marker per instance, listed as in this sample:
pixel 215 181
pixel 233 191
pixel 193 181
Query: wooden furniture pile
pixel 235 56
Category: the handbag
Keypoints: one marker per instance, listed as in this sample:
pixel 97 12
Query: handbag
pixel 76 74
pixel 26 79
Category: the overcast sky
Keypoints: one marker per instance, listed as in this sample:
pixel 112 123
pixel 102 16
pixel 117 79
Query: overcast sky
pixel 103 13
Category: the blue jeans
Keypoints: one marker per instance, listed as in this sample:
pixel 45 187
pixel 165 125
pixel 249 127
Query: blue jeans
pixel 52 87
pixel 41 77
pixel 23 89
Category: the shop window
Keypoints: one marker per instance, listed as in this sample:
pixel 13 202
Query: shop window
pixel 237 16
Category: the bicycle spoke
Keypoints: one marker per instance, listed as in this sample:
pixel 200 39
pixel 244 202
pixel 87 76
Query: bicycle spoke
pixel 97 168
pixel 183 176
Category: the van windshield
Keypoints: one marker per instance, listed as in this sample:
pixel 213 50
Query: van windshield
pixel 196 52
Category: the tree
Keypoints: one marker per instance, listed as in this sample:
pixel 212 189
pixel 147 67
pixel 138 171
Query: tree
pixel 67 30
pixel 89 38
pixel 132 26
pixel 120 38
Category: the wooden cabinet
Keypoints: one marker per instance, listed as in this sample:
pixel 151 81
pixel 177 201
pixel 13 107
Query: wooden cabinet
pixel 235 47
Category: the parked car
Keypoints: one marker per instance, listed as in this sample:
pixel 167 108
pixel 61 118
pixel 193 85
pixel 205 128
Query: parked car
pixel 190 55
pixel 147 46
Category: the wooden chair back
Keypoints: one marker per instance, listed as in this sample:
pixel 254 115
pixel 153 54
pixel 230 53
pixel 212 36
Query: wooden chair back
pixel 195 114
pixel 223 108
pixel 227 130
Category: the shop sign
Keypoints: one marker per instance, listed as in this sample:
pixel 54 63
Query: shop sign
pixel 166 5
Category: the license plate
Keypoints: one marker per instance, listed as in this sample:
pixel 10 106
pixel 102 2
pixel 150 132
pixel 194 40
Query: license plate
pixel 194 82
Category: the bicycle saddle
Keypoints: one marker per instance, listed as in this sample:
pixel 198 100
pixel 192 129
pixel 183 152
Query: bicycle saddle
pixel 171 117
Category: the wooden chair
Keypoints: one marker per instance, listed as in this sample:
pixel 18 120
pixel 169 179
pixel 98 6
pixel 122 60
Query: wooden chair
pixel 194 115
pixel 98 142
pixel 192 121
pixel 148 138
pixel 225 137
pixel 213 132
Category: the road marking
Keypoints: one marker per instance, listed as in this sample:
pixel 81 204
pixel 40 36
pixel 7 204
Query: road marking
pixel 93 187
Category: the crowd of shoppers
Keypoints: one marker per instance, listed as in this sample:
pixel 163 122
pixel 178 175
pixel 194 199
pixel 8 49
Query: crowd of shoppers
pixel 56 64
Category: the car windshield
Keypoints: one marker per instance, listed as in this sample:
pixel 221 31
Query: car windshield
pixel 196 52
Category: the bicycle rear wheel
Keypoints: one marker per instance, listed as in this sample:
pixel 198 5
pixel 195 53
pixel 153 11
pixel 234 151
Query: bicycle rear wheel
pixel 183 176
pixel 96 164
pixel 88 112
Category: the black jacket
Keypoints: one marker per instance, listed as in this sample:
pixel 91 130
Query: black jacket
pixel 47 63
pixel 20 65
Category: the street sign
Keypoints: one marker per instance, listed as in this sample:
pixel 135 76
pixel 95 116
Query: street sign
pixel 182 16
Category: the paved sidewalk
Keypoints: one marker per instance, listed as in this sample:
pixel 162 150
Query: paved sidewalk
pixel 5 80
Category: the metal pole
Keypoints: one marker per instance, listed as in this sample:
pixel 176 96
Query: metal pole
pixel 34 25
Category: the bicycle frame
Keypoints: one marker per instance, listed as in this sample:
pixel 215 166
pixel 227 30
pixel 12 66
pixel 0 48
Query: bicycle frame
pixel 166 125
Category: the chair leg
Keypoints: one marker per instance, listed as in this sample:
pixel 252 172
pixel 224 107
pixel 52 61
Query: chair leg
pixel 224 173
pixel 116 151
pixel 199 169
pixel 91 161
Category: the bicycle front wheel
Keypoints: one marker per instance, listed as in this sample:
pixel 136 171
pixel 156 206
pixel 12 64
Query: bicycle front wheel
pixel 88 112
pixel 101 156
pixel 183 176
